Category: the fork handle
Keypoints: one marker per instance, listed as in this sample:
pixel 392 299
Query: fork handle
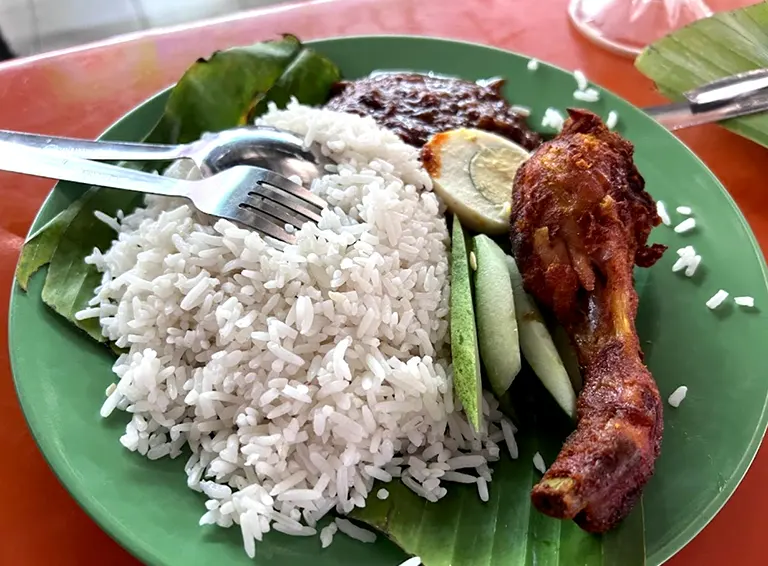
pixel 98 150
pixel 42 163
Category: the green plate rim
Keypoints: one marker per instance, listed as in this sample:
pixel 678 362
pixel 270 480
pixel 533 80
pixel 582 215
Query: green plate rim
pixel 104 520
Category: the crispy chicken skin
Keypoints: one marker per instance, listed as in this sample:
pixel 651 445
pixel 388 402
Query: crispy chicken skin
pixel 580 222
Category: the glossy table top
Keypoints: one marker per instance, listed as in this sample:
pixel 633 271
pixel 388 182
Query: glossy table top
pixel 81 92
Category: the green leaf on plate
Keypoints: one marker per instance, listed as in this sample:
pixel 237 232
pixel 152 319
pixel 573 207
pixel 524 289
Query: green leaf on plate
pixel 39 249
pixel 461 530
pixel 308 78
pixel 712 48
pixel 225 91
pixel 232 87
pixel 63 244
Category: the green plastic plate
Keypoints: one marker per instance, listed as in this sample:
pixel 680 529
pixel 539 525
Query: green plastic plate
pixel 709 441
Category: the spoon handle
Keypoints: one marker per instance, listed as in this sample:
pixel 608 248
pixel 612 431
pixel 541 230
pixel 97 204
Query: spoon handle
pixel 49 165
pixel 96 150
pixel 679 115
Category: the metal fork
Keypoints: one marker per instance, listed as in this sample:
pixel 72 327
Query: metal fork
pixel 250 196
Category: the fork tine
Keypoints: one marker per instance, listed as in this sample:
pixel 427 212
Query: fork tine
pixel 292 188
pixel 290 202
pixel 261 222
pixel 279 212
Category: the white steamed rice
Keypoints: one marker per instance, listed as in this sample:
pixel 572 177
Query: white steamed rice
pixel 688 260
pixel 661 210
pixel 678 395
pixel 295 377
pixel 686 226
pixel 553 119
pixel 581 80
pixel 745 301
pixel 717 299
pixel 588 95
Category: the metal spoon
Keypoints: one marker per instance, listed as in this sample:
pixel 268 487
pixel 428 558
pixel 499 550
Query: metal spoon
pixel 682 115
pixel 742 94
pixel 261 146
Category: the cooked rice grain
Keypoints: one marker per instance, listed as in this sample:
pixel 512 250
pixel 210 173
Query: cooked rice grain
pixel 295 376
pixel 678 395
pixel 717 299
pixel 661 210
pixel 748 302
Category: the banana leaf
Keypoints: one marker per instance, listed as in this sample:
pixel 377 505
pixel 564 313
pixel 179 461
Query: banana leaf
pixel 227 90
pixel 712 48
pixel 461 530
pixel 63 244
pixel 234 86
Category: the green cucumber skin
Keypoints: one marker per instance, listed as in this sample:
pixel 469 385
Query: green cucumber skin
pixel 464 351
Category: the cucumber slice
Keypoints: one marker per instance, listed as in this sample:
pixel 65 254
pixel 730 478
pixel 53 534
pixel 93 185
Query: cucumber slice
pixel 497 326
pixel 466 361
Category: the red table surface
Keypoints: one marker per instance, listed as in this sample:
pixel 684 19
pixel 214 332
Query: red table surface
pixel 81 92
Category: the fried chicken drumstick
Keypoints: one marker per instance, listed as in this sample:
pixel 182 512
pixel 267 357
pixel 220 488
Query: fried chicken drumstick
pixel 580 222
